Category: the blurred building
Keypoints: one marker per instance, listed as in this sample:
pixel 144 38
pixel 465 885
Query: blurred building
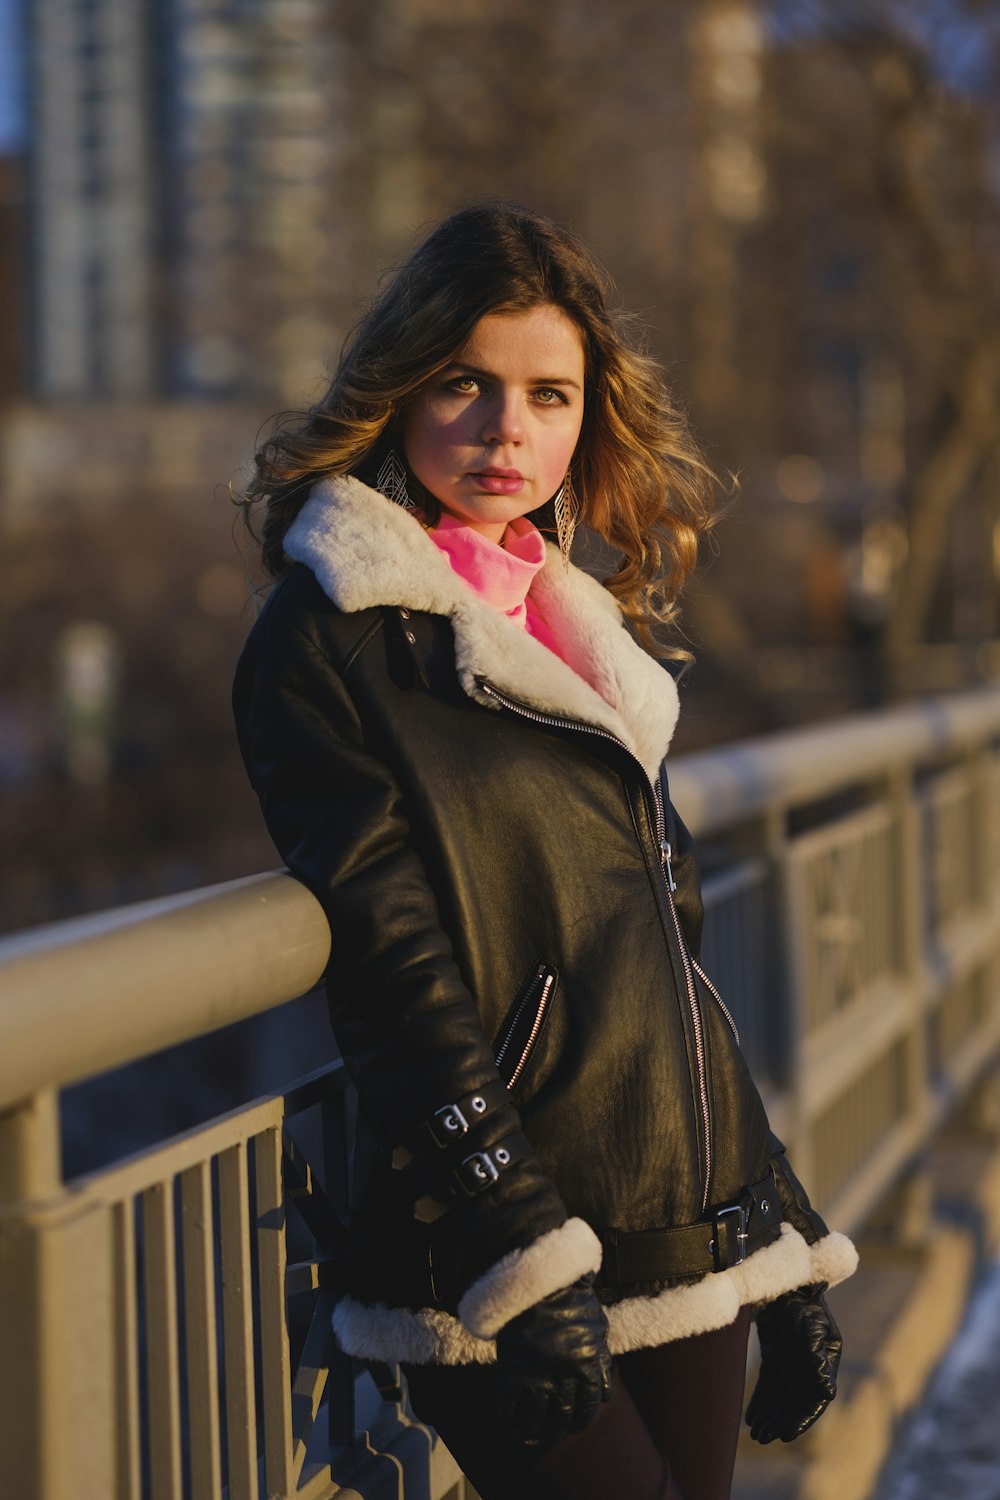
pixel 184 178
pixel 93 198
pixel 255 148
pixel 12 278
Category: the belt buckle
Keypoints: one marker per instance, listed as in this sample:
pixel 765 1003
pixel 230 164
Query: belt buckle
pixel 729 1245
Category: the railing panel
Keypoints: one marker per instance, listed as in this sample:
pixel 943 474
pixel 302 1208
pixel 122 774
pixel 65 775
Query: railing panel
pixel 832 1057
pixel 172 1429
pixel 956 1018
pixel 237 1323
pixel 851 1128
pixel 948 808
pixel 197 1232
pixel 963 1024
pixel 992 793
pixel 735 956
pixel 843 878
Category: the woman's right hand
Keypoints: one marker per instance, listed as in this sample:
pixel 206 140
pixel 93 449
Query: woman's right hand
pixel 554 1366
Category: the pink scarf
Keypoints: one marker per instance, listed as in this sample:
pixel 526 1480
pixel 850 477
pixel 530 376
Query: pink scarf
pixel 499 572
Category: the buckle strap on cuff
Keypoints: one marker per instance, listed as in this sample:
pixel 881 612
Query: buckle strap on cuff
pixel 482 1168
pixel 449 1123
pixel 436 1190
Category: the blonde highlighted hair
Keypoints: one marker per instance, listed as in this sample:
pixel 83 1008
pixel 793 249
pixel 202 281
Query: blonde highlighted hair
pixel 640 481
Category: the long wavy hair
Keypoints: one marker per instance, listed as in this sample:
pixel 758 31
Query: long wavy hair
pixel 640 481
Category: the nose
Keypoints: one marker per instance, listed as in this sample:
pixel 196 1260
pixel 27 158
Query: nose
pixel 502 421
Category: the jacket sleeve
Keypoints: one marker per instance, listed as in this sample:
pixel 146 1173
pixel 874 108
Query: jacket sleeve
pixel 407 1026
pixel 795 1206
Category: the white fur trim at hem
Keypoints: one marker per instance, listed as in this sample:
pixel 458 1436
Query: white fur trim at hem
pixel 715 1301
pixel 427 1337
pixel 431 1337
pixel 524 1277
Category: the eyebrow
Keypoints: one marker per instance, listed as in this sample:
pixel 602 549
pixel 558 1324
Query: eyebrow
pixel 461 364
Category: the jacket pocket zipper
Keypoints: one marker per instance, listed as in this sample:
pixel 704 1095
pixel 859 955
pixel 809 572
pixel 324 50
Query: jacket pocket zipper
pixel 529 1013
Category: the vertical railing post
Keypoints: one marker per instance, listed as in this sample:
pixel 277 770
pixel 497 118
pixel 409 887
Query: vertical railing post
pixel 990 789
pixel 792 980
pixel 981 773
pixel 56 1323
pixel 985 854
pixel 342 1369
pixel 908 862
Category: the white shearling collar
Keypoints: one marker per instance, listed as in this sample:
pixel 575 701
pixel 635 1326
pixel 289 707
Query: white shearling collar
pixel 366 552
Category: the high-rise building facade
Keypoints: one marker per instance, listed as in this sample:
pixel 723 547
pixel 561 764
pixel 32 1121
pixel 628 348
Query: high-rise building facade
pixel 13 320
pixel 256 230
pixel 187 226
pixel 93 232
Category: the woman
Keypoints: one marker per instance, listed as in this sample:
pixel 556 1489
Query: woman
pixel 459 748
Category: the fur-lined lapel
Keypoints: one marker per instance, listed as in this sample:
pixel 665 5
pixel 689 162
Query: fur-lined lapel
pixel 365 552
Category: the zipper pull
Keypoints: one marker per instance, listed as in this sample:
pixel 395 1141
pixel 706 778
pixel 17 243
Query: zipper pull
pixel 665 854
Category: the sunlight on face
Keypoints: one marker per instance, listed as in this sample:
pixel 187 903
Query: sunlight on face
pixel 491 436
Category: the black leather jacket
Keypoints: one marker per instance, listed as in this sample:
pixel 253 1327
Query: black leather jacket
pixel 497 878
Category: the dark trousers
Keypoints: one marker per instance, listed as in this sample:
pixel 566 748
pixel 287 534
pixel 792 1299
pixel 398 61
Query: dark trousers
pixel 668 1433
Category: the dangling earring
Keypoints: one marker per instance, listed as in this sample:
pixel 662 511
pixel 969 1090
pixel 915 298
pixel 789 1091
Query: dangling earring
pixel 391 481
pixel 565 508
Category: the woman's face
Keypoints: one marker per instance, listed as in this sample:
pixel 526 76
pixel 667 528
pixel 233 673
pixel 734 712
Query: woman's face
pixel 492 435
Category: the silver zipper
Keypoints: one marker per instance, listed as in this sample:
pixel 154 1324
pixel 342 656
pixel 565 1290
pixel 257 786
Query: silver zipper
pixel 529 991
pixel 666 854
pixel 668 876
pixel 549 979
pixel 696 1017
pixel 718 999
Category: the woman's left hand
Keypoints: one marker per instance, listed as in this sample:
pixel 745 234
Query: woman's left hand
pixel 800 1348
pixel 553 1366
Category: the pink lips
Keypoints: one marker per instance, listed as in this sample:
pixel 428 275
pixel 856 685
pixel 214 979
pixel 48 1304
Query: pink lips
pixel 500 481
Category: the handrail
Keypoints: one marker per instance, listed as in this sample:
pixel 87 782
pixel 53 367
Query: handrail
pixel 208 958
pixel 719 788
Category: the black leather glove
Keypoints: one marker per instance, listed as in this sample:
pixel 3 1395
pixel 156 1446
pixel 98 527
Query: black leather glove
pixel 800 1348
pixel 553 1365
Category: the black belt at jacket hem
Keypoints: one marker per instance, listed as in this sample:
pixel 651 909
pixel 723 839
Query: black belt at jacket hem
pixel 724 1238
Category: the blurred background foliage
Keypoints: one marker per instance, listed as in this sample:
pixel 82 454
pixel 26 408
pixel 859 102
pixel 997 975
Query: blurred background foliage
pixel 799 198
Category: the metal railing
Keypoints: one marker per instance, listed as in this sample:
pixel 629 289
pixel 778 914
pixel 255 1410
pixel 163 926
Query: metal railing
pixel 164 1322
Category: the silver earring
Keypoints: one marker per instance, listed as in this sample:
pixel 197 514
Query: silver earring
pixel 565 508
pixel 391 481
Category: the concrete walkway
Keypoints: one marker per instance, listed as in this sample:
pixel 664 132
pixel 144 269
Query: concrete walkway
pixel 899 1315
pixel 952 1447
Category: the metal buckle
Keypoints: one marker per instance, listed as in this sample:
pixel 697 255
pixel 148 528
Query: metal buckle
pixel 478 1171
pixel 447 1124
pixel 731 1221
